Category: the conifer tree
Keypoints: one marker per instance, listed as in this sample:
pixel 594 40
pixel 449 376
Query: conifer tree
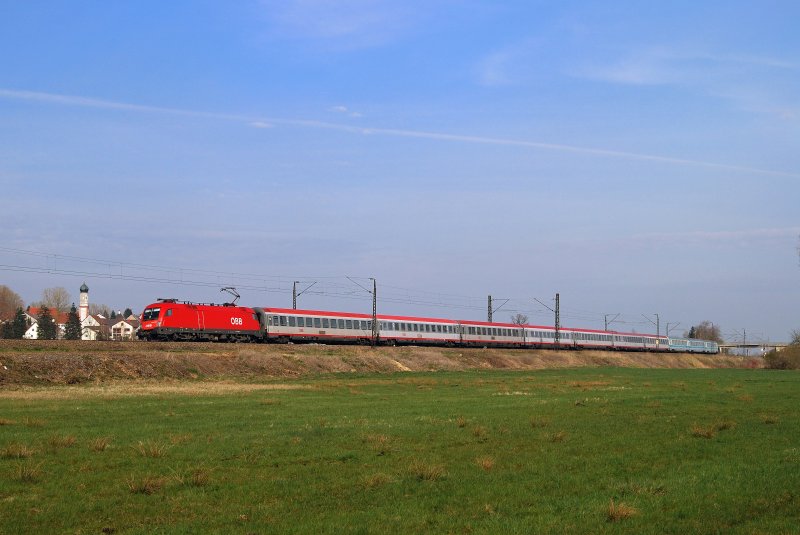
pixel 7 330
pixel 19 325
pixel 47 327
pixel 73 327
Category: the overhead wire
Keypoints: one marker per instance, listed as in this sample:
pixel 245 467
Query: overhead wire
pixel 329 287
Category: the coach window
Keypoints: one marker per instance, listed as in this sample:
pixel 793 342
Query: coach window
pixel 325 324
pixel 348 324
pixel 283 321
pixel 317 323
pixel 275 321
pixel 301 322
pixel 291 321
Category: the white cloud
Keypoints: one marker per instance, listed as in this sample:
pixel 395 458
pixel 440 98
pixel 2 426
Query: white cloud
pixel 751 83
pixel 419 134
pixel 345 111
pixel 513 64
pixel 719 236
pixel 347 24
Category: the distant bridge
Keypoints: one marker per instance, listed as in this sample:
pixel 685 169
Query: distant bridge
pixel 761 348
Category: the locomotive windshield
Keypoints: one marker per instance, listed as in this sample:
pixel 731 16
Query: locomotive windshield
pixel 150 314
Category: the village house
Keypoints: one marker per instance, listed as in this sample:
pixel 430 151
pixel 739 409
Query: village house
pixel 93 326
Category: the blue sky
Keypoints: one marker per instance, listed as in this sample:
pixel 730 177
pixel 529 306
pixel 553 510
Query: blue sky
pixel 637 158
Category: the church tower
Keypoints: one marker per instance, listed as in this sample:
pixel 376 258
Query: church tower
pixel 84 300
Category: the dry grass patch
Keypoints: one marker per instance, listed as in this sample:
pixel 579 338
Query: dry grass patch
pixel 16 450
pixel 485 463
pixel 711 431
pixel 199 477
pixel 99 443
pixel 559 436
pixel 376 480
pixel 747 398
pixel 653 405
pixel 699 431
pixel 769 419
pixel 27 472
pixel 6 421
pixel 151 449
pixel 588 385
pixel 62 441
pixel 146 485
pixel 724 425
pixel 196 477
pixel 426 471
pixel 155 388
pixel 619 511
pixel 380 444
pixel 539 421
pixel 33 422
pixel 480 432
pixel 180 439
pixel 461 422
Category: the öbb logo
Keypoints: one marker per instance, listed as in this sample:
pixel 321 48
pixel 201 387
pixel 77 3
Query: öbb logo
pixel 237 321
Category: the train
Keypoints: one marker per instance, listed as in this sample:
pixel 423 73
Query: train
pixel 173 320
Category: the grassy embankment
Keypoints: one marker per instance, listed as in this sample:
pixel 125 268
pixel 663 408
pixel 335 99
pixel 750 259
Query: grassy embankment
pixel 42 362
pixel 575 451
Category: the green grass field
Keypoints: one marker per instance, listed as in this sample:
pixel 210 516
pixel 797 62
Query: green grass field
pixel 563 451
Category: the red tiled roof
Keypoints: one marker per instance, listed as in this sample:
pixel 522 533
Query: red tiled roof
pixel 60 317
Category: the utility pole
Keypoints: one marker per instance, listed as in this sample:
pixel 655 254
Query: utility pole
pixel 491 310
pixel 605 317
pixel 295 295
pixel 557 312
pixel 744 343
pixel 558 320
pixel 375 331
pixel 657 323
pixel 674 325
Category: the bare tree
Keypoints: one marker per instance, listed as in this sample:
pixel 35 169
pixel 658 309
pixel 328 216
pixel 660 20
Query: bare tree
pixel 794 337
pixel 705 330
pixel 99 308
pixel 519 319
pixel 56 299
pixel 9 303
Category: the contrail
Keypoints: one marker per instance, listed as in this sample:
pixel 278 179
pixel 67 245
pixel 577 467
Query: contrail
pixel 70 100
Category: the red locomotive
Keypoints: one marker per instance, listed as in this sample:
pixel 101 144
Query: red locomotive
pixel 170 319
